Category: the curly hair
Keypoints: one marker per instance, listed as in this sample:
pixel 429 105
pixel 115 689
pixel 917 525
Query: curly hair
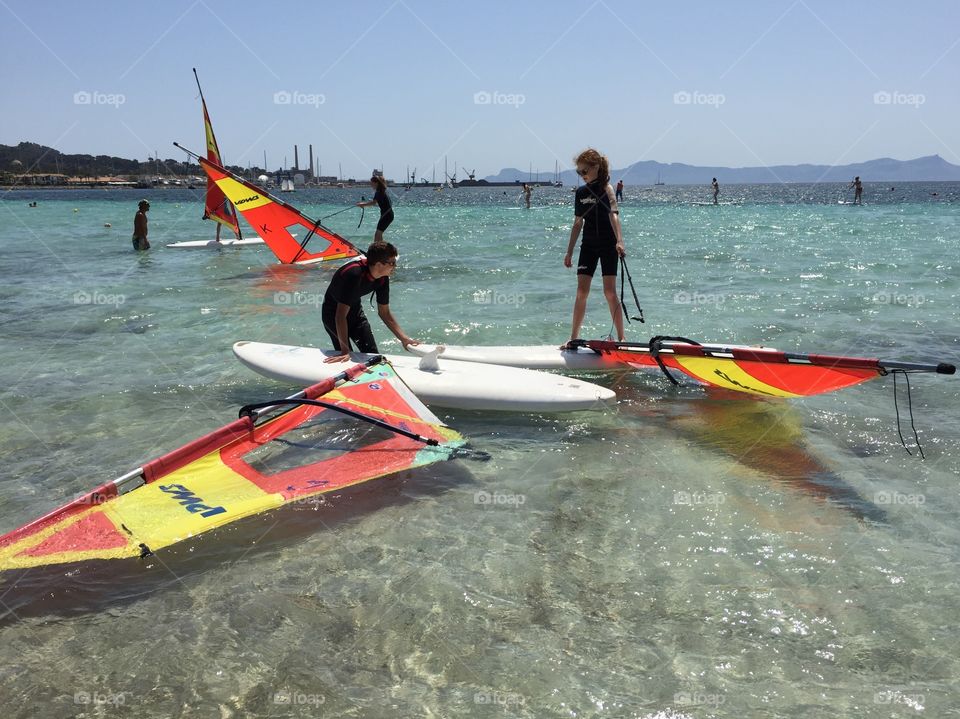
pixel 594 158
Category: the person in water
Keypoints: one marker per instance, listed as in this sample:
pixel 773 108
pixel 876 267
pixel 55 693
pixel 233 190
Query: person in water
pixel 342 313
pixel 595 212
pixel 619 190
pixel 857 190
pixel 140 241
pixel 716 190
pixel 381 198
pixel 526 194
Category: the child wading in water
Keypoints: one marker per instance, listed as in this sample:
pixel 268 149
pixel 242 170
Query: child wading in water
pixel 597 215
pixel 381 198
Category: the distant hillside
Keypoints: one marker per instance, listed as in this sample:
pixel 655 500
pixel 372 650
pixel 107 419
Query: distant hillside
pixel 39 159
pixel 923 169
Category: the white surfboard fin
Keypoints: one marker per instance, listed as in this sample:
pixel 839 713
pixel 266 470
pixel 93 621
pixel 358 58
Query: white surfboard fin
pixel 429 362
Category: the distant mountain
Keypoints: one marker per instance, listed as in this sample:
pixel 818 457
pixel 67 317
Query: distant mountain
pixel 932 168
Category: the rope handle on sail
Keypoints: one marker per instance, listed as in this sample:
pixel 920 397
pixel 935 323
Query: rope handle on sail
pixel 896 407
pixel 626 275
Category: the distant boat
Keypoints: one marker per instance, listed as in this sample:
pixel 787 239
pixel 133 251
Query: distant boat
pixel 287 186
pixel 659 181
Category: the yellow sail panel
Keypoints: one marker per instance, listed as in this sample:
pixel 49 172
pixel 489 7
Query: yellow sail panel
pixel 194 499
pixel 241 195
pixel 728 374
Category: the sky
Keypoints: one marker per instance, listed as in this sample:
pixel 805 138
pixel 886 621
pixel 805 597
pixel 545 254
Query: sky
pixel 488 85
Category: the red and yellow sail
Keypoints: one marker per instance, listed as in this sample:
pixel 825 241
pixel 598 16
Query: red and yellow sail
pixel 758 371
pixel 241 469
pixel 273 219
pixel 216 207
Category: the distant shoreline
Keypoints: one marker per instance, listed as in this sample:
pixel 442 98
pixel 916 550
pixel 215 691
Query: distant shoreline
pixel 274 190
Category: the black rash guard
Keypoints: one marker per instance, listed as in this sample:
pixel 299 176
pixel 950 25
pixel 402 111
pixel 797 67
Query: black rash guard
pixel 350 284
pixel 594 205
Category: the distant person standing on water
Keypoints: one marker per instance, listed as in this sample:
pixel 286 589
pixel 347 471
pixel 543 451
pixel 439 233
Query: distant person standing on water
pixel 526 194
pixel 140 241
pixel 857 190
pixel 596 213
pixel 716 190
pixel 619 190
pixel 381 198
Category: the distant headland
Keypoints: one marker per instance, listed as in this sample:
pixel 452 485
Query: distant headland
pixel 29 164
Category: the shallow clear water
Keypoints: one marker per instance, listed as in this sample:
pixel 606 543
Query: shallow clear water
pixel 684 555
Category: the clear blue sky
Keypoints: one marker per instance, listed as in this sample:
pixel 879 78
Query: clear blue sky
pixel 797 80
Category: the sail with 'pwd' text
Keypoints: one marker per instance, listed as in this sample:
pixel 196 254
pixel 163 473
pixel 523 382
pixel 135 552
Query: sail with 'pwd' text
pixel 361 425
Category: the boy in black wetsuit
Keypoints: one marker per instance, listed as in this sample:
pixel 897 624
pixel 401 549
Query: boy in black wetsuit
pixel 597 214
pixel 342 313
pixel 381 198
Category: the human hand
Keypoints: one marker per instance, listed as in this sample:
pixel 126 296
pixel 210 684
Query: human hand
pixel 336 358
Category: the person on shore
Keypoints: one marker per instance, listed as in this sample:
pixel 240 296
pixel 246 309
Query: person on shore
pixel 716 190
pixel 342 313
pixel 140 241
pixel 526 194
pixel 381 198
pixel 596 213
pixel 857 190
pixel 619 190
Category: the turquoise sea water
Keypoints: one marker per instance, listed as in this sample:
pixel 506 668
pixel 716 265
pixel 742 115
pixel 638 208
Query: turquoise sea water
pixel 683 555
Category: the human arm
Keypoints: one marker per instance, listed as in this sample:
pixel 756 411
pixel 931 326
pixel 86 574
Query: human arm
pixel 343 337
pixel 615 221
pixel 391 322
pixel 574 234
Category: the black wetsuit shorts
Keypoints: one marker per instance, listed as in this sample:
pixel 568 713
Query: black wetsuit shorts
pixel 590 255
pixel 385 219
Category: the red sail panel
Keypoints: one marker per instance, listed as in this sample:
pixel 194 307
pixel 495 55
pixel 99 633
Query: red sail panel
pixel 217 207
pixel 273 220
pixel 806 379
